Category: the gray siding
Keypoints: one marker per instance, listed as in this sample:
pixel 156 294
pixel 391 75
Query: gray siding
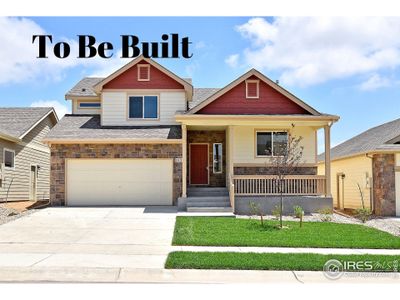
pixel 30 152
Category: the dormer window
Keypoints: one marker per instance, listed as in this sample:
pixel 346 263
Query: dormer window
pixel 252 89
pixel 143 72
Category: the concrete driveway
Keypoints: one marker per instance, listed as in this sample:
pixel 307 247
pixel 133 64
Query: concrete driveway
pixel 126 237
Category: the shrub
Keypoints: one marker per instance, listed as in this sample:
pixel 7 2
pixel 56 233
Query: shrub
pixel 298 211
pixel 363 214
pixel 255 210
pixel 326 214
pixel 276 212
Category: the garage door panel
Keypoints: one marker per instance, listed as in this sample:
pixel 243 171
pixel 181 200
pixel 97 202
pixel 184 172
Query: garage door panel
pixel 98 182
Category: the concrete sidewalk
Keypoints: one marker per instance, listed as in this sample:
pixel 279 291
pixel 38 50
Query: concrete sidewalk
pixel 286 250
pixel 157 275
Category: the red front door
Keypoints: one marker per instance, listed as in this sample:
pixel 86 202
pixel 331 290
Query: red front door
pixel 198 164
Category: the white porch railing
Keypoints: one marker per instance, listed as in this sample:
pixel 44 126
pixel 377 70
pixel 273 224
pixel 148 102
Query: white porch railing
pixel 250 185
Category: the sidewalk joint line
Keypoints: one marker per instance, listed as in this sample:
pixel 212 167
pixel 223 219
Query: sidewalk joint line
pixel 297 278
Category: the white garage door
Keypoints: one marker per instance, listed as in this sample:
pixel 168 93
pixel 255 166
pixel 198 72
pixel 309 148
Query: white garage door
pixel 96 182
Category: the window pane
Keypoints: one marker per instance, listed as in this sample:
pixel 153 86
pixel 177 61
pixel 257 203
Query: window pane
pixel 217 158
pixel 89 104
pixel 280 143
pixel 135 107
pixel 9 159
pixel 264 144
pixel 150 107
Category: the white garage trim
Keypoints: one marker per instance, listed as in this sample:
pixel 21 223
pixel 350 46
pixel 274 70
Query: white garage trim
pixel 137 181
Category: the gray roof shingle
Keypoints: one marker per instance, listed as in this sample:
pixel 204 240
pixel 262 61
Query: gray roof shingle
pixel 15 121
pixel 87 127
pixel 84 88
pixel 376 138
pixel 201 94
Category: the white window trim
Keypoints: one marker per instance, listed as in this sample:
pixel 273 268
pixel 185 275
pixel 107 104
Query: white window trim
pixel 4 158
pixel 272 141
pixel 143 118
pixel 80 107
pixel 148 72
pixel 258 89
pixel 222 158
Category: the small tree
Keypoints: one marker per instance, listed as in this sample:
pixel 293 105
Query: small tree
pixel 363 213
pixel 285 160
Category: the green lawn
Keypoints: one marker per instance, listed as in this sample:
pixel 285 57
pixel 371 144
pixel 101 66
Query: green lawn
pixel 229 231
pixel 270 261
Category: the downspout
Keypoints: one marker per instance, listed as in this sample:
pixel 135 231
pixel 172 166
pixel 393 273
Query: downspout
pixel 371 184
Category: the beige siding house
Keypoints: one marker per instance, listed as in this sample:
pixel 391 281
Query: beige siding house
pixel 24 159
pixel 370 160
pixel 151 138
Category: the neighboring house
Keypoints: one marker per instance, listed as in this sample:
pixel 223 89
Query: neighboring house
pixel 144 136
pixel 24 159
pixel 372 160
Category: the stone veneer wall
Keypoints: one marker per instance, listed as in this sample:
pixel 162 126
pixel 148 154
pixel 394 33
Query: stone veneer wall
pixel 271 171
pixel 60 152
pixel 210 137
pixel 383 176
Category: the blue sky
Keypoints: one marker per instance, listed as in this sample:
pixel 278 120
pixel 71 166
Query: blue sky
pixel 343 66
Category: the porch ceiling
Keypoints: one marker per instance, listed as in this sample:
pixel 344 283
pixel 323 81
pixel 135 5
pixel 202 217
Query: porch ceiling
pixel 222 124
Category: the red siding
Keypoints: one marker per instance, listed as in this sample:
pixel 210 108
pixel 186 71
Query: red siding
pixel 129 80
pixel 270 102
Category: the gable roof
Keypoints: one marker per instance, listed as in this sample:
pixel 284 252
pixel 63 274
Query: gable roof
pixel 16 122
pixel 379 138
pixel 84 88
pixel 262 77
pixel 187 86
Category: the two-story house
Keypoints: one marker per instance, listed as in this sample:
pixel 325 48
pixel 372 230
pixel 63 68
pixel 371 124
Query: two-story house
pixel 24 158
pixel 145 136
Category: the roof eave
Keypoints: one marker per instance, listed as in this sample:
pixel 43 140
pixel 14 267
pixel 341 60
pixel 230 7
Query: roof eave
pixel 376 151
pixel 52 111
pixel 9 138
pixel 112 141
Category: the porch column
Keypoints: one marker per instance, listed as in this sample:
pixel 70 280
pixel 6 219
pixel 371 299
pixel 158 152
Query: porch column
pixel 327 133
pixel 230 150
pixel 184 160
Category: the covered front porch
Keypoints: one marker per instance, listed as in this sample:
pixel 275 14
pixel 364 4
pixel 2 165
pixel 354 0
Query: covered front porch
pixel 225 152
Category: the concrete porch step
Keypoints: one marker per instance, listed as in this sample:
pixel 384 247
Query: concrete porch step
pixel 208 199
pixel 209 209
pixel 207 191
pixel 209 203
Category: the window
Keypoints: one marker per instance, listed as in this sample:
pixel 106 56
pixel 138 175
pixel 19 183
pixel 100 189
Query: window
pixel 252 89
pixel 143 72
pixel 217 158
pixel 271 143
pixel 143 107
pixel 89 104
pixel 9 158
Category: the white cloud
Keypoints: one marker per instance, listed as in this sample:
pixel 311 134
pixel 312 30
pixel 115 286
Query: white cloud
pixel 311 50
pixel 18 55
pixel 60 108
pixel 232 60
pixel 375 82
pixel 199 45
